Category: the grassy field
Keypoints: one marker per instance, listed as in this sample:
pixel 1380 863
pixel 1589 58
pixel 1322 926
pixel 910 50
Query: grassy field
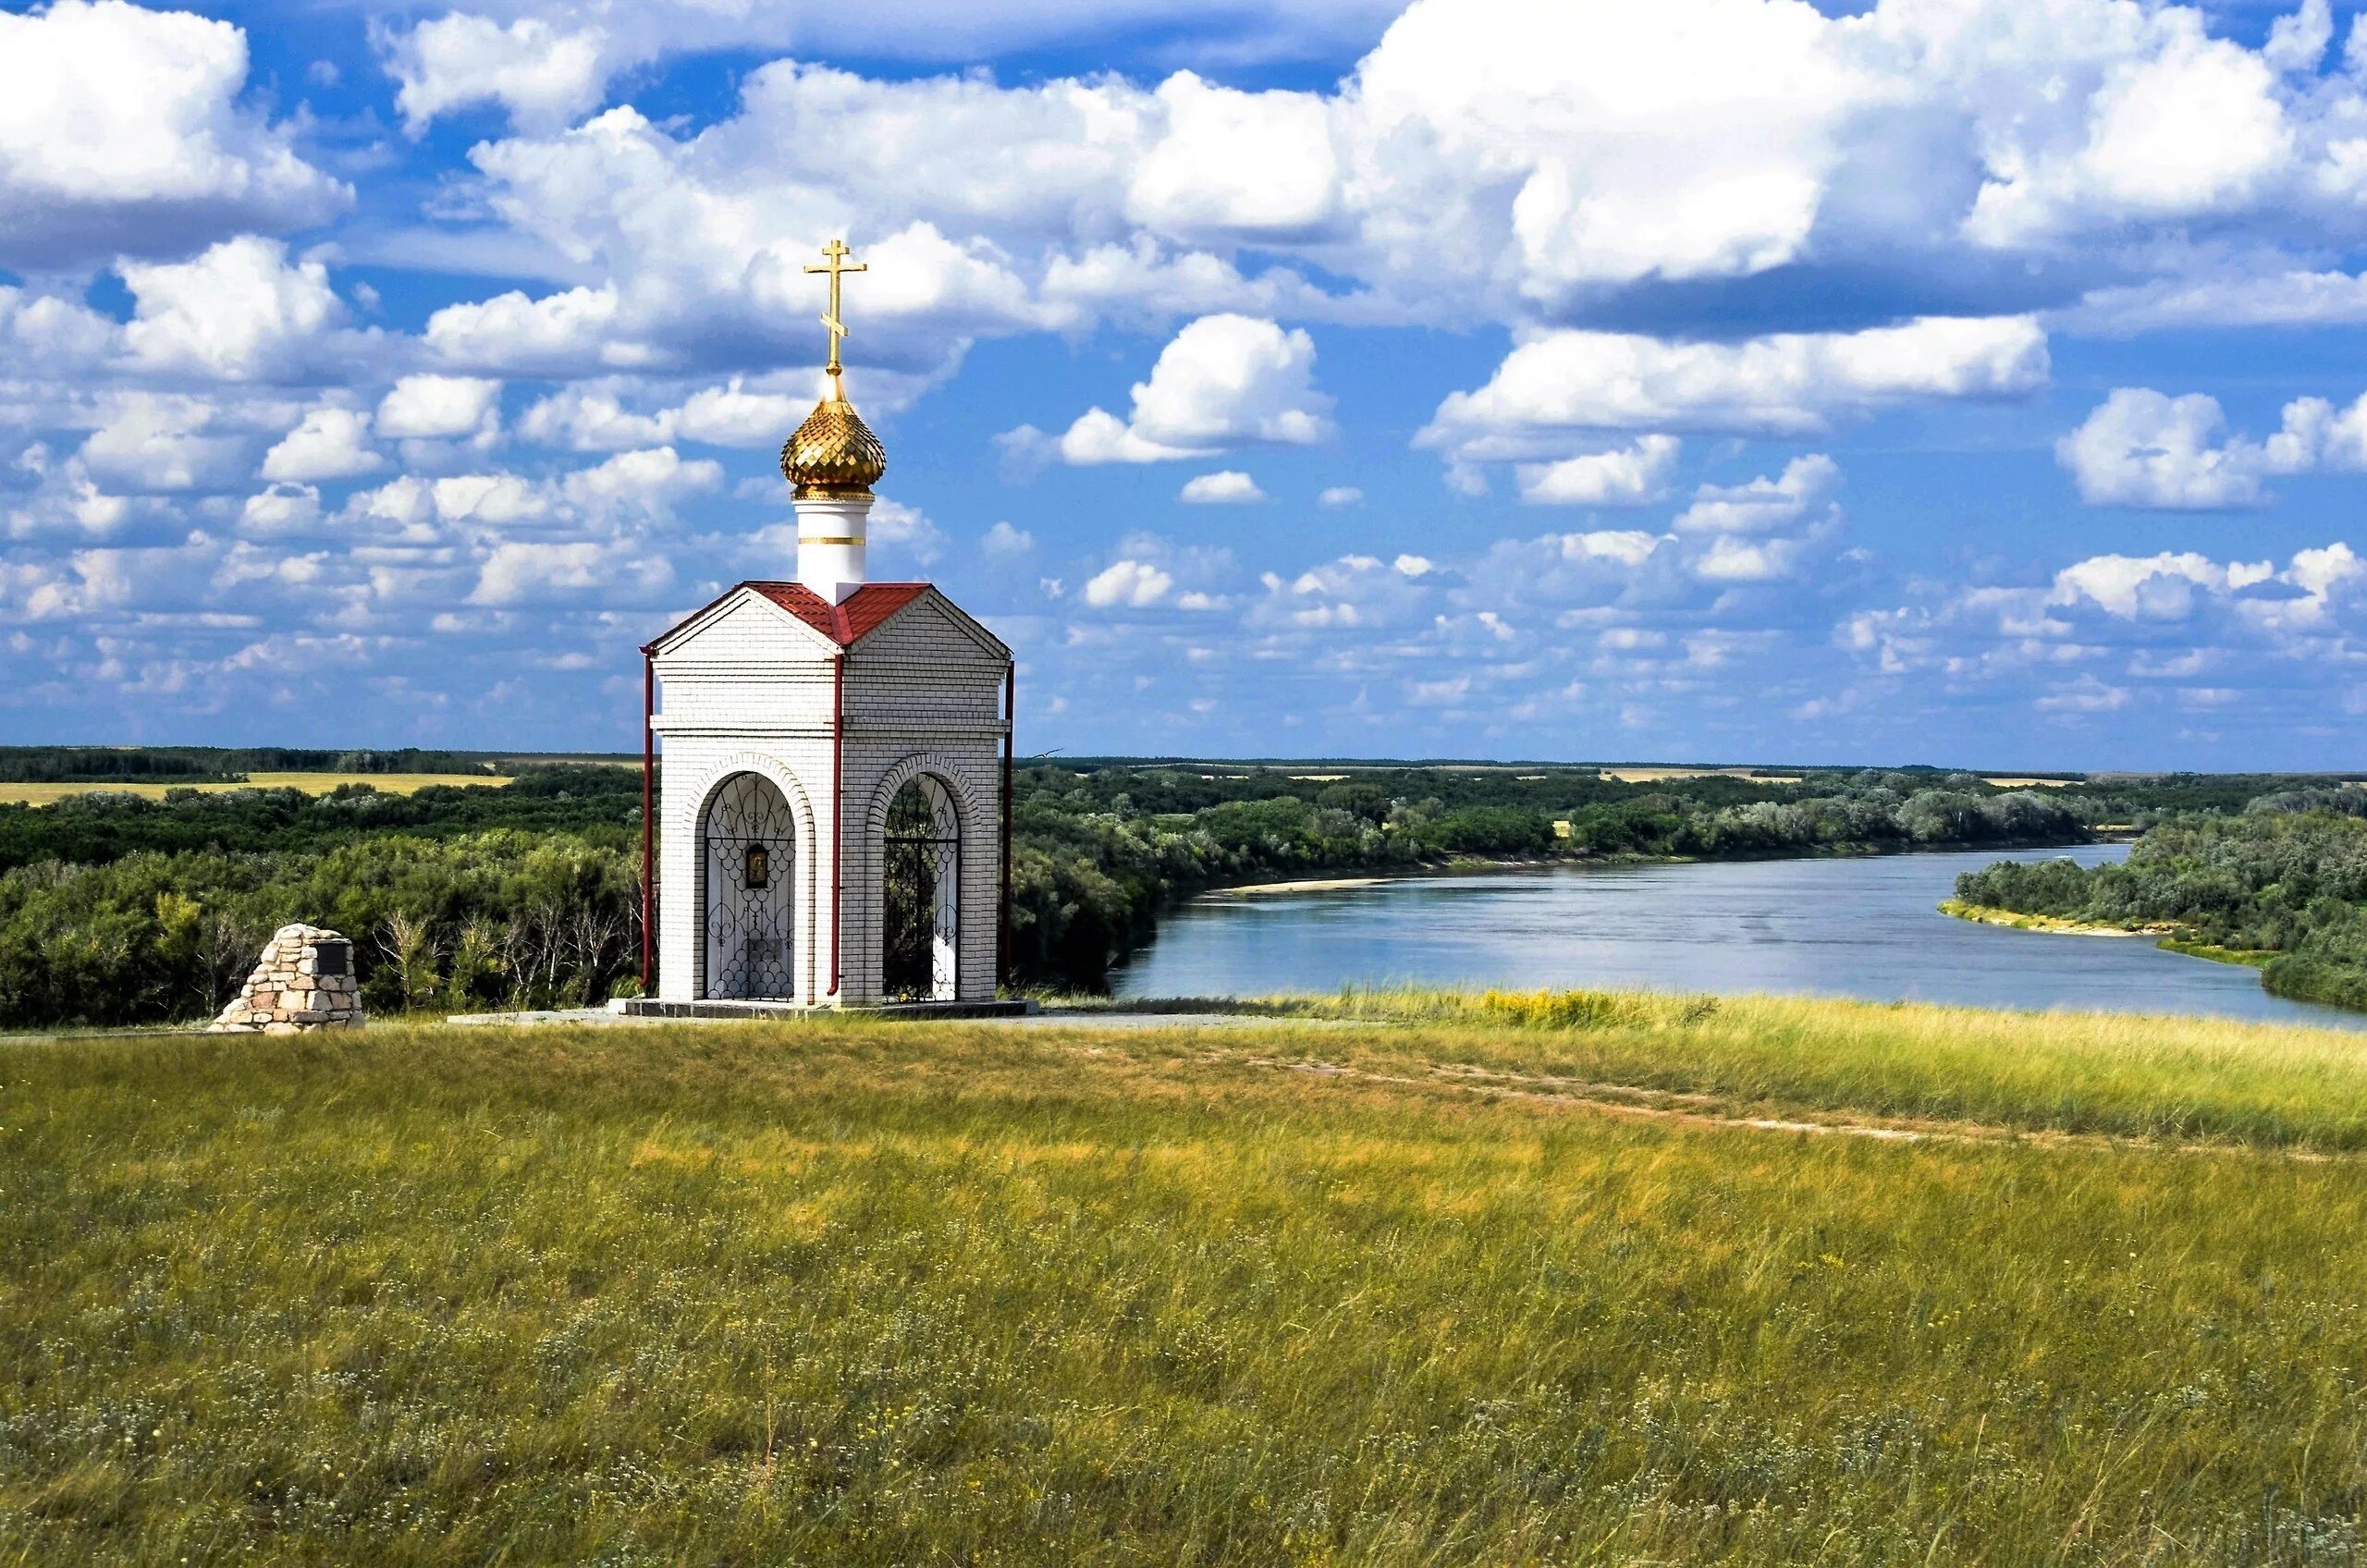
pixel 311 783
pixel 1422 1280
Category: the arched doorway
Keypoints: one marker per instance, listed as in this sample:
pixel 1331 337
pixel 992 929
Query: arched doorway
pixel 921 867
pixel 749 844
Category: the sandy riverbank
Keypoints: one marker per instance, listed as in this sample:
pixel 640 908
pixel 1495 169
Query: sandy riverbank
pixel 1986 914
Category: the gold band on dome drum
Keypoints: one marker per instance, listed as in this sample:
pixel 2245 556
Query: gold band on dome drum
pixel 833 453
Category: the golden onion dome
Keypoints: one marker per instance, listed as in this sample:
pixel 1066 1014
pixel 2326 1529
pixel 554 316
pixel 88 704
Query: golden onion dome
pixel 833 453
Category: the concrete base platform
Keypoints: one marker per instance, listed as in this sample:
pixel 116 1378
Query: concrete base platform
pixel 1018 1014
pixel 652 1007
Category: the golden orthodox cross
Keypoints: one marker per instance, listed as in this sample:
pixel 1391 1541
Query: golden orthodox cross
pixel 838 252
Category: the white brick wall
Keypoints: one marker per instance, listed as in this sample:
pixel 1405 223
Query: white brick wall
pixel 751 690
pixel 879 763
pixel 695 768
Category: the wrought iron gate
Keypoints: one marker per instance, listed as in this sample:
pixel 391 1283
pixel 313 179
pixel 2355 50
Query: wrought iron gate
pixel 751 851
pixel 921 881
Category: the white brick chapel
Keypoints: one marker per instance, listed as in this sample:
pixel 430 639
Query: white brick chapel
pixel 833 827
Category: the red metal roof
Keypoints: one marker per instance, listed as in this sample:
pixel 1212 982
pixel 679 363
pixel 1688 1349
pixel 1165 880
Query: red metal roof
pixel 846 624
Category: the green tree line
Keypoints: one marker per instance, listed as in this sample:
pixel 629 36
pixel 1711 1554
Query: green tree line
pixel 102 825
pixel 134 764
pixel 114 909
pixel 2287 877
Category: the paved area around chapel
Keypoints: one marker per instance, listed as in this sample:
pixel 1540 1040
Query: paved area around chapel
pixel 1078 1018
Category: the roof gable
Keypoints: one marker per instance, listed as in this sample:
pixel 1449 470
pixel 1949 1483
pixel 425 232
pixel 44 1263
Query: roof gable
pixel 928 628
pixel 864 612
pixel 734 607
pixel 970 626
pixel 849 622
pixel 739 625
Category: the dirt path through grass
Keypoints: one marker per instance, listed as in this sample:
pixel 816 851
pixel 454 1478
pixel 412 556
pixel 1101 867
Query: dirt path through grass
pixel 1626 1100
pixel 1886 1075
pixel 1621 1099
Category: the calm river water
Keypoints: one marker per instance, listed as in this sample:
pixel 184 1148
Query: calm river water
pixel 1864 928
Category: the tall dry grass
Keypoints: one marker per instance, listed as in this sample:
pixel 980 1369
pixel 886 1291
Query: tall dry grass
pixel 2128 1075
pixel 856 1294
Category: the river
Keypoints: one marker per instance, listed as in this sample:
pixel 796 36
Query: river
pixel 1863 927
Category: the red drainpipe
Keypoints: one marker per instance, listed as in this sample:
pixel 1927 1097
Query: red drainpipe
pixel 1010 727
pixel 837 805
pixel 648 827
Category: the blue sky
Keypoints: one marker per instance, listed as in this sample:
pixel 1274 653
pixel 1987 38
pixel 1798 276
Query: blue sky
pixel 1974 381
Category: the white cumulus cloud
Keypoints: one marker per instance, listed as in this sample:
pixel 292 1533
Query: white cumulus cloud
pixel 2140 448
pixel 2159 586
pixel 544 76
pixel 1002 539
pixel 900 529
pixel 121 131
pixel 1633 475
pixel 591 419
pixel 432 406
pixel 547 61
pixel 1223 380
pixel 1762 504
pixel 1128 583
pixel 331 443
pixel 1560 390
pixel 151 442
pixel 645 482
pixel 2185 126
pixel 1486 160
pixel 1786 382
pixel 520 571
pixel 1225 487
pixel 241 310
pixel 736 415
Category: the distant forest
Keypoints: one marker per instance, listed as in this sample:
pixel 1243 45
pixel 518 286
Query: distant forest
pixel 117 909
pixel 210 764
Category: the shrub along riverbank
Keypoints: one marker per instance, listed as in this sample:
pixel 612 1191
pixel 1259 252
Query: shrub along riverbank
pixel 117 910
pixel 2282 885
pixel 862 1293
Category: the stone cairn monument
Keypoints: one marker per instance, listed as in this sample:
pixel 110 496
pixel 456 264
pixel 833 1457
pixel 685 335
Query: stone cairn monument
pixel 303 981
